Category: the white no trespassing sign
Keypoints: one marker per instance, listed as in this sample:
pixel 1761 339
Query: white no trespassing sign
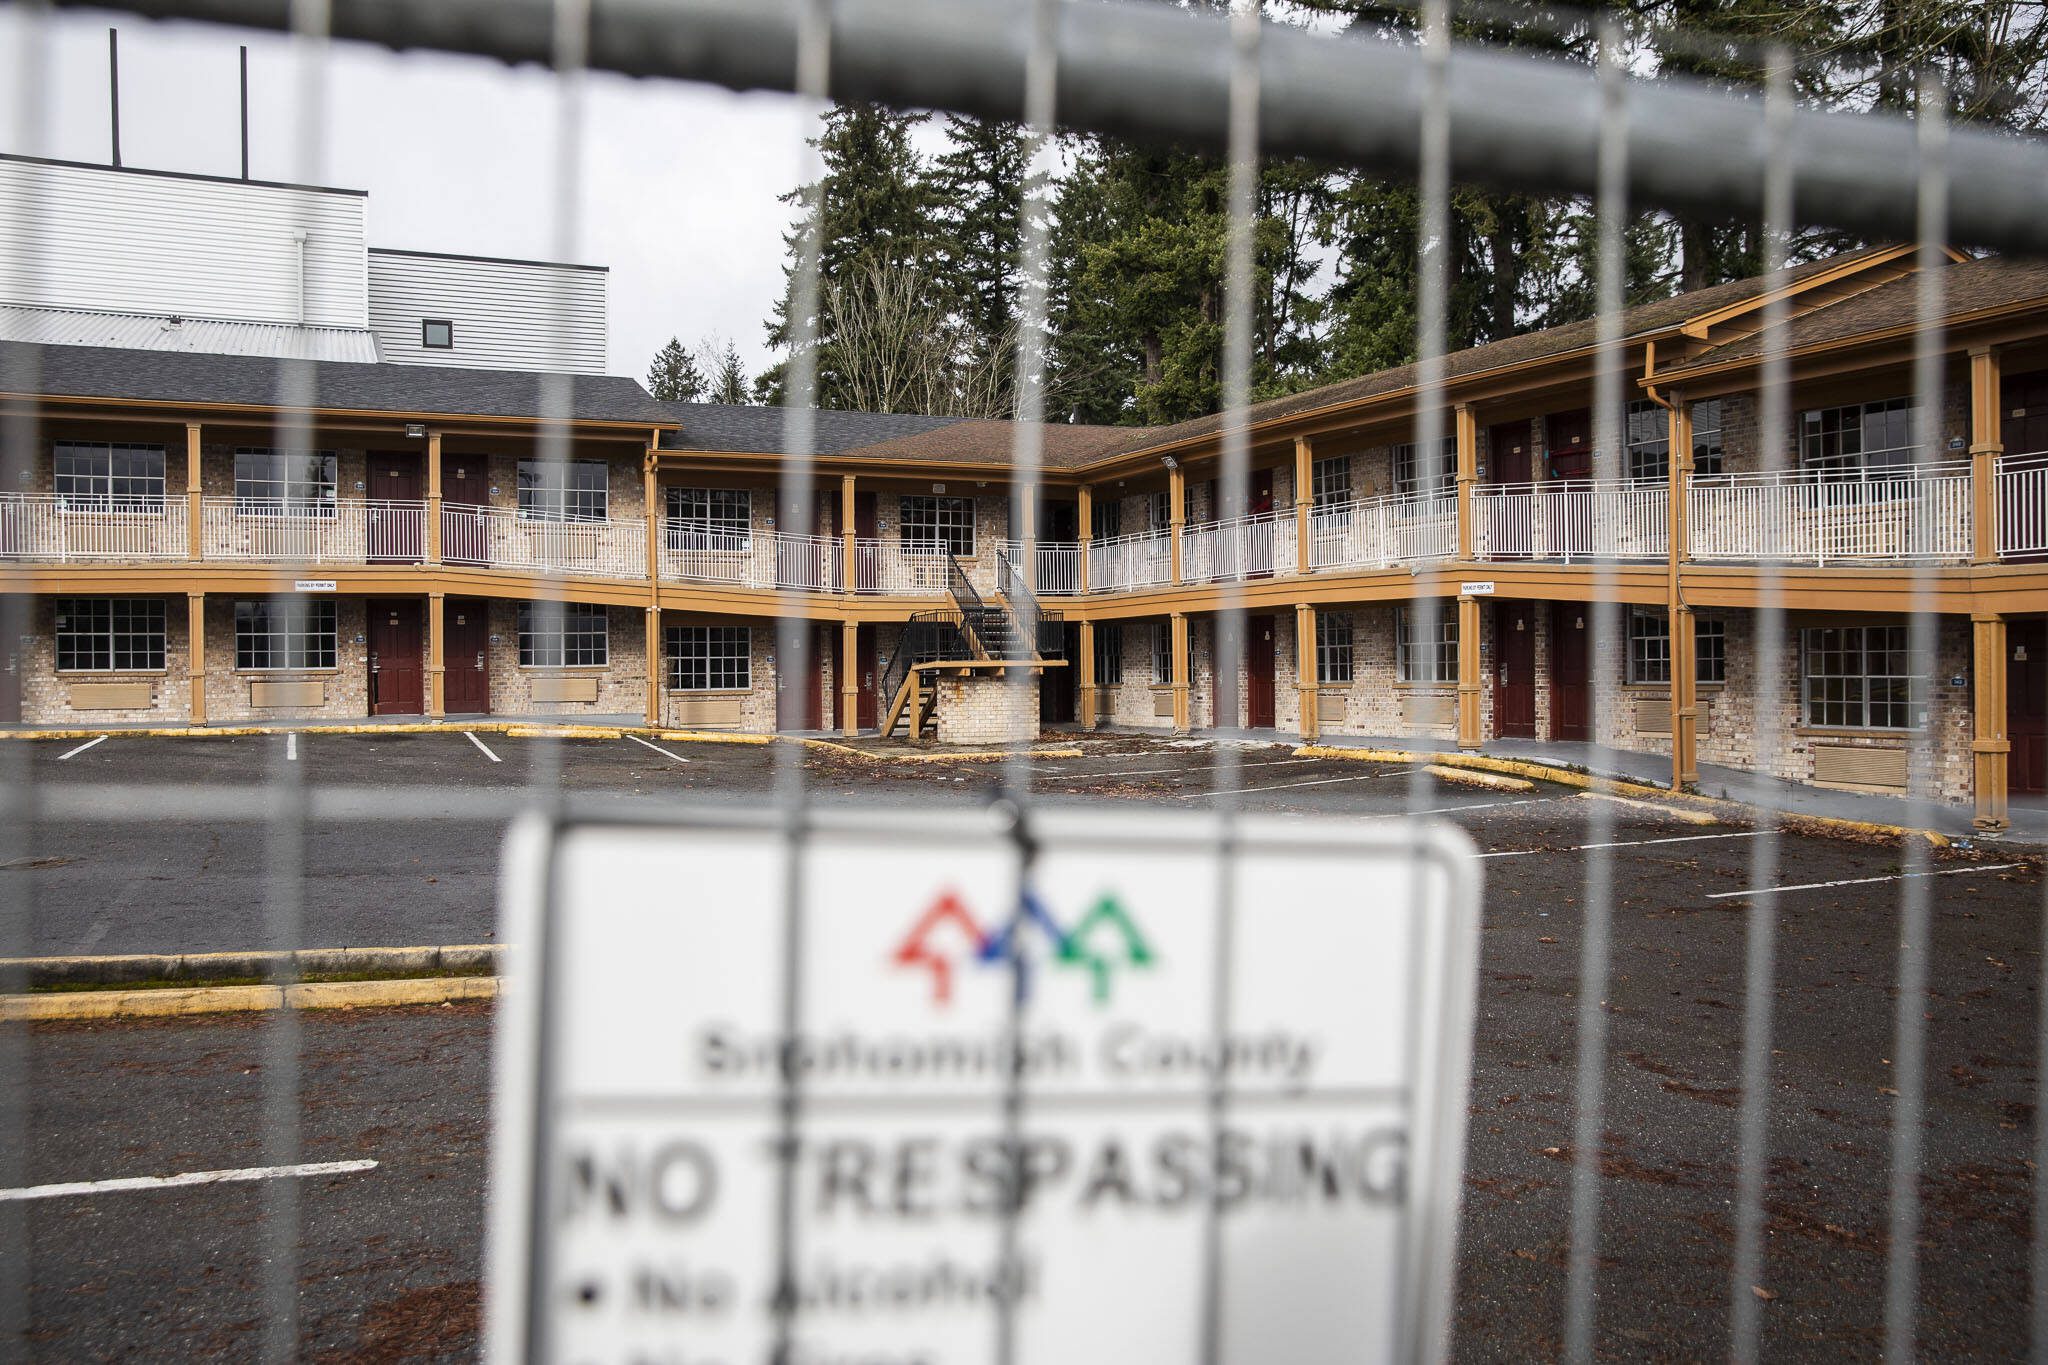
pixel 878 1094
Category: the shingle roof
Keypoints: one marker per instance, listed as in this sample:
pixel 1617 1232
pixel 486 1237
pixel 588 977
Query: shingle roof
pixel 1967 287
pixel 994 443
pixel 175 377
pixel 751 429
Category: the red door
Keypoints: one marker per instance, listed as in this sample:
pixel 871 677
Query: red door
pixel 865 713
pixel 1258 673
pixel 1514 670
pixel 1570 672
pixel 2026 704
pixel 397 674
pixel 1569 437
pixel 2023 430
pixel 863 529
pixel 466 658
pixel 397 534
pixel 1507 450
pixel 799 683
pixel 465 488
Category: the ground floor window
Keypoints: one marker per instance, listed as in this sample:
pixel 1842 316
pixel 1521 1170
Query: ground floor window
pixel 1858 678
pixel 284 633
pixel 1710 650
pixel 1649 649
pixel 1333 647
pixel 1109 656
pixel 1162 652
pixel 710 658
pixel 110 634
pixel 563 635
pixel 1426 656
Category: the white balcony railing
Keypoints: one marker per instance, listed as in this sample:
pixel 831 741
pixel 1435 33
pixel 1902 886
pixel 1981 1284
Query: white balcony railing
pixel 1800 516
pixel 54 528
pixel 890 567
pixel 1126 563
pixel 1575 520
pixel 2023 505
pixel 695 554
pixel 241 530
pixel 1257 546
pixel 1376 533
pixel 1059 566
pixel 503 538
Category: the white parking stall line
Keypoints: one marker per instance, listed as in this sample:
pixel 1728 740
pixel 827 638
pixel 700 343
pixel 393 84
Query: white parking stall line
pixel 1624 843
pixel 657 748
pixel 483 746
pixel 1281 786
pixel 172 1182
pixel 1863 881
pixel 72 753
pixel 291 747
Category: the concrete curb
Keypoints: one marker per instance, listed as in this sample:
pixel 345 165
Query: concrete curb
pixel 968 756
pixel 471 959
pixel 173 1002
pixel 1824 825
pixel 1468 777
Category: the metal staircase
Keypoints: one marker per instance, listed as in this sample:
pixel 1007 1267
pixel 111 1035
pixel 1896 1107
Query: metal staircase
pixel 976 635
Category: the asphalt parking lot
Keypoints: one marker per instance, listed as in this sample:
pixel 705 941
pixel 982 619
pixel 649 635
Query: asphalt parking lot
pixel 390 1255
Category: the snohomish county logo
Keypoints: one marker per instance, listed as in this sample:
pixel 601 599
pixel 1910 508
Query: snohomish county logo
pixel 1103 940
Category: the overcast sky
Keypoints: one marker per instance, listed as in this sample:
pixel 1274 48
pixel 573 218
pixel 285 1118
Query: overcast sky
pixel 679 185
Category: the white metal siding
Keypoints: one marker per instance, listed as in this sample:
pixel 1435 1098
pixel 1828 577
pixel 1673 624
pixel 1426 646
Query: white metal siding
pixel 96 238
pixel 508 315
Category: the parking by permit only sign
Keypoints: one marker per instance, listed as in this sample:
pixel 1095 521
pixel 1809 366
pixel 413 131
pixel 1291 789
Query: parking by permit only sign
pixel 1117 1086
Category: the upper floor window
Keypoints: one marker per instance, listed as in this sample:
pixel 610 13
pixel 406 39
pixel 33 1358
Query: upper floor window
pixel 710 518
pixel 1860 678
pixel 1426 656
pixel 1647 437
pixel 933 524
pixel 272 632
pixel 110 634
pixel 1861 438
pixel 1706 436
pixel 110 477
pixel 284 482
pixel 1414 472
pixel 1333 647
pixel 563 490
pixel 1158 511
pixel 437 334
pixel 1330 481
pixel 563 635
pixel 1105 519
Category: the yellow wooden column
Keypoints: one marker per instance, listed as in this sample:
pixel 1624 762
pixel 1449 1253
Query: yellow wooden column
pixel 1985 448
pixel 433 496
pixel 1085 684
pixel 1466 433
pixel 1469 736
pixel 437 654
pixel 195 538
pixel 1305 670
pixel 1085 513
pixel 1176 513
pixel 1178 641
pixel 849 673
pixel 849 548
pixel 650 492
pixel 1304 500
pixel 1990 744
pixel 195 652
pixel 1685 697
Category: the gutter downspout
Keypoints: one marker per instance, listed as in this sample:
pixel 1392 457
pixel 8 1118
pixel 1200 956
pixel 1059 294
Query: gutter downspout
pixel 299 240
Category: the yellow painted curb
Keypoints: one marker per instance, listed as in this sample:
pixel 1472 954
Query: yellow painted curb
pixel 310 995
pixel 712 737
pixel 1468 778
pixel 532 731
pixel 1670 812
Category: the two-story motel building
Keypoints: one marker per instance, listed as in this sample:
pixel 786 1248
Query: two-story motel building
pixel 472 519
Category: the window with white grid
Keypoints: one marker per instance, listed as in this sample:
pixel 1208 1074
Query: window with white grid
pixel 274 633
pixel 1647 433
pixel 1162 653
pixel 563 635
pixel 284 482
pixel 1330 481
pixel 933 524
pixel 710 658
pixel 1423 658
pixel 1861 438
pixel 1105 519
pixel 563 490
pixel 1333 647
pixel 1109 655
pixel 1649 647
pixel 710 518
pixel 1158 511
pixel 104 476
pixel 110 634
pixel 1710 649
pixel 1414 474
pixel 1859 678
pixel 1706 436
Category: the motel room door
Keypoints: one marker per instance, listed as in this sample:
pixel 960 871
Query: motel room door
pixel 397 672
pixel 397 535
pixel 799 682
pixel 1258 673
pixel 2026 705
pixel 466 655
pixel 1569 436
pixel 1507 451
pixel 1514 670
pixel 465 488
pixel 866 667
pixel 1571 650
pixel 10 681
pixel 2023 430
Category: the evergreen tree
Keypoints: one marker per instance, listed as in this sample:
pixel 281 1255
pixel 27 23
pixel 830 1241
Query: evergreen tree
pixel 674 376
pixel 728 382
pixel 978 192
